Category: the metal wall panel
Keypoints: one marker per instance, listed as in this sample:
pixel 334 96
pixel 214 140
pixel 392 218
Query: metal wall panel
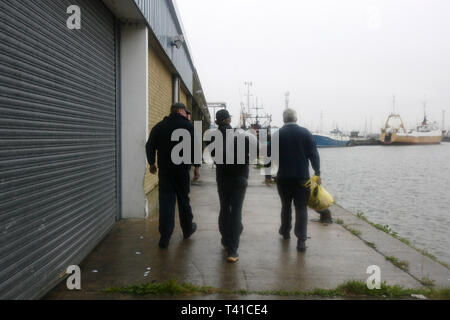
pixel 58 193
pixel 162 18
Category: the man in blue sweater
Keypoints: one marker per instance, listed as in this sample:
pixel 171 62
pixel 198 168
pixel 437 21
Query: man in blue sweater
pixel 297 148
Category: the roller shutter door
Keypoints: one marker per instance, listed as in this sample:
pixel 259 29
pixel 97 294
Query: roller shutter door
pixel 58 192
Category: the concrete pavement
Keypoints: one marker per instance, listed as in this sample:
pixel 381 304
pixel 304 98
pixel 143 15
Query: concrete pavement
pixel 267 262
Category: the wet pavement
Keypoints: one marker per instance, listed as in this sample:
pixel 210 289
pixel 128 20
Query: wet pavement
pixel 130 255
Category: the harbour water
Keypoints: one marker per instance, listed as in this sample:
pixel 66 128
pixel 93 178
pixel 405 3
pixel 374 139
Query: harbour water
pixel 404 187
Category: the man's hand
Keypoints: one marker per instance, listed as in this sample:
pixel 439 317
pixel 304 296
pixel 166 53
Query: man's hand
pixel 196 173
pixel 268 182
pixel 153 169
pixel 319 180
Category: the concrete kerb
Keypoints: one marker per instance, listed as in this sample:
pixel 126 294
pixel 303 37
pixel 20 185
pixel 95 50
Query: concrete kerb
pixel 420 266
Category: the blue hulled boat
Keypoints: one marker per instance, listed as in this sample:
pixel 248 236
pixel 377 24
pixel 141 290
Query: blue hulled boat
pixel 335 139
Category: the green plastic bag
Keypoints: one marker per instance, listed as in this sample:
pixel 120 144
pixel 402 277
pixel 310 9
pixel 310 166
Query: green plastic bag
pixel 319 199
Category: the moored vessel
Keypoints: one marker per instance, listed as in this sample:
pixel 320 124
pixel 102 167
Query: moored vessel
pixel 394 132
pixel 336 138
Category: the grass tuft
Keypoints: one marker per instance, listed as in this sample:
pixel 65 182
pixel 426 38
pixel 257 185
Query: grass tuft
pixel 349 289
pixel 171 287
pixel 440 294
pixel 427 281
pixel 404 265
pixel 388 230
pixel 352 230
pixel 371 244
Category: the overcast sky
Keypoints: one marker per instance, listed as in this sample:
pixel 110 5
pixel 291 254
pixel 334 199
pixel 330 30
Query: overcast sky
pixel 346 58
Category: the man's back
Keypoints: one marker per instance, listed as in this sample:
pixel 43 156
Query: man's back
pixel 161 141
pixel 235 167
pixel 296 148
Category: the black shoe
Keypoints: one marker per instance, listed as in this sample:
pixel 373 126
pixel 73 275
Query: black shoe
pixel 325 216
pixel 326 221
pixel 301 245
pixel 163 243
pixel 286 236
pixel 194 228
pixel 233 256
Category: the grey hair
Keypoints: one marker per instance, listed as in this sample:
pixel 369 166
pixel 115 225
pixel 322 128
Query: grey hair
pixel 289 115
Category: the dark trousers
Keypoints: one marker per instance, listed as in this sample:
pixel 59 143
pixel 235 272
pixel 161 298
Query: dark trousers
pixel 174 185
pixel 231 194
pixel 294 190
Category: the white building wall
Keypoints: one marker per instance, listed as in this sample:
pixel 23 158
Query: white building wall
pixel 134 102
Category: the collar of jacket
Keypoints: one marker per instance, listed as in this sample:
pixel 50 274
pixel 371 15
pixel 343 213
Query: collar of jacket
pixel 290 124
pixel 177 115
pixel 224 128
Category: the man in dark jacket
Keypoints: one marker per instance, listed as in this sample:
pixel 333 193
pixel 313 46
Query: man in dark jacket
pixel 297 148
pixel 174 179
pixel 232 183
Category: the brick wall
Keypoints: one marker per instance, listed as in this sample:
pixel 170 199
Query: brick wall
pixel 160 100
pixel 183 98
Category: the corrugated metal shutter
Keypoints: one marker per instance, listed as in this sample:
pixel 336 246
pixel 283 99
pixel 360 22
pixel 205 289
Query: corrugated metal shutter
pixel 57 140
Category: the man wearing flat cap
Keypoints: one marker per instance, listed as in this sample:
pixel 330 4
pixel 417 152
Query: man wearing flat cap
pixel 174 179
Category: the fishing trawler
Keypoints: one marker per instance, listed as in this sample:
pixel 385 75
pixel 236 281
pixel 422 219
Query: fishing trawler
pixel 253 120
pixel 394 132
pixel 336 138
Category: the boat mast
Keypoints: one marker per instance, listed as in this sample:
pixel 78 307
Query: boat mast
pixel 321 121
pixel 286 95
pixel 393 105
pixel 365 126
pixel 394 115
pixel 242 119
pixel 257 108
pixel 248 85
pixel 246 110
pixel 424 113
pixel 443 121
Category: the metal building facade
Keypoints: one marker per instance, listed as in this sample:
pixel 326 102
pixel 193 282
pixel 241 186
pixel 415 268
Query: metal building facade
pixel 161 16
pixel 58 140
pixel 60 130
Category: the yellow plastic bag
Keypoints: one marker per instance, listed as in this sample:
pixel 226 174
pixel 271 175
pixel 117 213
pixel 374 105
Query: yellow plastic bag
pixel 319 199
